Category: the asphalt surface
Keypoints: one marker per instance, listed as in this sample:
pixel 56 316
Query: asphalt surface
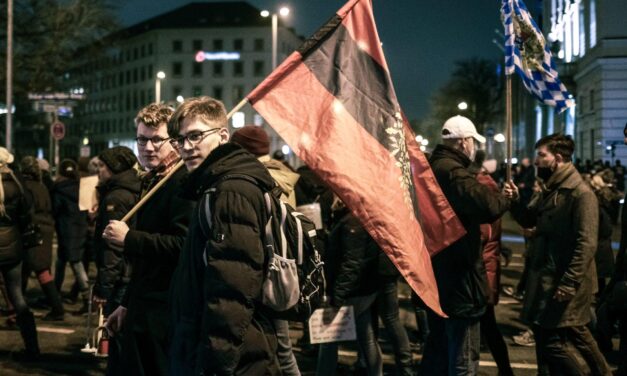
pixel 61 342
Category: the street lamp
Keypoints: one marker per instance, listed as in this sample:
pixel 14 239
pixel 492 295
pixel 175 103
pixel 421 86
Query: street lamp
pixel 160 76
pixel 283 12
pixel 462 106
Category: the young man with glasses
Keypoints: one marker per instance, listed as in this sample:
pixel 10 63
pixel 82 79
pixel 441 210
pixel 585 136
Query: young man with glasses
pixel 142 322
pixel 220 326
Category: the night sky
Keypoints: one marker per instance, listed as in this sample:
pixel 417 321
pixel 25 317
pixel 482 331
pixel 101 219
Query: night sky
pixel 421 38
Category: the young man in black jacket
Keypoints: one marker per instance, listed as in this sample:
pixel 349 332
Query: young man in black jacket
pixel 153 248
pixel 220 326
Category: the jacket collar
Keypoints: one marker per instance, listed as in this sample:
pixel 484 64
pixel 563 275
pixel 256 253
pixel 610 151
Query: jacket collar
pixel 444 151
pixel 565 176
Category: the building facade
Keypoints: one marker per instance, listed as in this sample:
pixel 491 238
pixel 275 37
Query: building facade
pixel 589 38
pixel 222 50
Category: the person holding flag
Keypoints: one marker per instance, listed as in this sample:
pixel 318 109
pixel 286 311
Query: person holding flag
pixel 453 344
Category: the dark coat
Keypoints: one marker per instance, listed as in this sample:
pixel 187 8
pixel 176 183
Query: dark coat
pixel 459 269
pixel 352 260
pixel 219 324
pixel 566 217
pixel 117 195
pixel 71 222
pixel 18 216
pixel 604 257
pixel 491 241
pixel 153 248
pixel 40 258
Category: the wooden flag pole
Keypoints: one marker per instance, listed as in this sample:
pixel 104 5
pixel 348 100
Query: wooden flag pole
pixel 508 124
pixel 174 169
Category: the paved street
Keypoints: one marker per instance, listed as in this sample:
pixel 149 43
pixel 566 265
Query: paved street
pixel 61 342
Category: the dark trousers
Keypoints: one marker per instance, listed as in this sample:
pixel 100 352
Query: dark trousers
pixel 452 347
pixel 388 310
pixel 553 346
pixel 494 339
pixel 143 353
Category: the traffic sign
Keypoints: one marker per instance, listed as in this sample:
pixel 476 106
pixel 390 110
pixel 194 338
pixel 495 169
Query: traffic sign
pixel 58 130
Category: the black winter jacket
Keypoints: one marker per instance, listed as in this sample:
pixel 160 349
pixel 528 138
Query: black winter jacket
pixel 352 260
pixel 71 222
pixel 18 216
pixel 459 269
pixel 117 195
pixel 219 324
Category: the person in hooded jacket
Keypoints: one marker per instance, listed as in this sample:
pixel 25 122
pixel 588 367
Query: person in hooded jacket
pixel 71 225
pixel 220 325
pixel 118 188
pixel 15 216
pixel 255 140
pixel 39 258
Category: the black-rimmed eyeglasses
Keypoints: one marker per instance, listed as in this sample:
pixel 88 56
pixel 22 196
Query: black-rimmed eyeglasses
pixel 157 142
pixel 193 137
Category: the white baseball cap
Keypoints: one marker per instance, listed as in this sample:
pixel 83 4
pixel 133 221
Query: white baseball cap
pixel 460 127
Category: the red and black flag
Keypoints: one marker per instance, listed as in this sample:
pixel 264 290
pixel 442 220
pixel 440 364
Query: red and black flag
pixel 333 102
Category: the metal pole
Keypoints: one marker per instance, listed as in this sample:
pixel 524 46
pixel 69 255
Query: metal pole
pixel 158 90
pixel 275 24
pixel 508 124
pixel 9 93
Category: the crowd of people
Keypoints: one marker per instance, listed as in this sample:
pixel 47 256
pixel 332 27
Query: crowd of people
pixel 181 279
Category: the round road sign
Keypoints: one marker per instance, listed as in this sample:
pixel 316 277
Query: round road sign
pixel 58 130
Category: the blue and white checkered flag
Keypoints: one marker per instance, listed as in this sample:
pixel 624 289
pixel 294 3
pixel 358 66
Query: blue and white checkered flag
pixel 527 53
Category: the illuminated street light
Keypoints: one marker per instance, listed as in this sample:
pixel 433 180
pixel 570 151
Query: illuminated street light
pixel 419 138
pixel 462 106
pixel 179 98
pixel 160 76
pixel 499 137
pixel 424 142
pixel 283 12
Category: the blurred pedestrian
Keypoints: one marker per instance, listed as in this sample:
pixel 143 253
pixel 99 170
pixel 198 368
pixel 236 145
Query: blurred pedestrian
pixel 39 259
pixel 15 216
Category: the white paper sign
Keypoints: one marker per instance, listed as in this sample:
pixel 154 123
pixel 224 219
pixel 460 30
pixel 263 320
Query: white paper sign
pixel 87 197
pixel 332 325
pixel 313 212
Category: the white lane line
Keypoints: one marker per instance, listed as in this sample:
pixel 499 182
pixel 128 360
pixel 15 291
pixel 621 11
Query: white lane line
pixel 483 363
pixel 47 329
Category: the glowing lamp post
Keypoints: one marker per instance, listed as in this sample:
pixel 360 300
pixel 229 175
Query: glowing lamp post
pixel 283 12
pixel 160 76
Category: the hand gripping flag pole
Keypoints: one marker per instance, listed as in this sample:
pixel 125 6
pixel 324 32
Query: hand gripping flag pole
pixel 167 177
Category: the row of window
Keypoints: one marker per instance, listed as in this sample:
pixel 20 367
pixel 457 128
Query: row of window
pixel 218 45
pixel 218 68
pixel 133 101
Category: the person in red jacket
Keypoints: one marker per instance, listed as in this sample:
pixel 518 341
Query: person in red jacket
pixel 491 242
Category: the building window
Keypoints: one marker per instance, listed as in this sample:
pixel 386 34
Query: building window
pixel 128 55
pixel 177 46
pixel 238 44
pixel 238 69
pixel 197 45
pixel 258 68
pixel 217 92
pixel 150 70
pixel 135 75
pixel 592 100
pixel 143 51
pixel 218 68
pixel 149 49
pixel 120 79
pixel 593 23
pixel 218 44
pixel 197 91
pixel 142 73
pixel 258 44
pixel 177 69
pixel 196 69
pixel 237 93
pixel 128 77
pixel 135 53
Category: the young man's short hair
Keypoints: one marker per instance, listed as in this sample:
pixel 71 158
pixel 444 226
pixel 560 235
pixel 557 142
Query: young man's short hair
pixel 558 143
pixel 207 109
pixel 154 115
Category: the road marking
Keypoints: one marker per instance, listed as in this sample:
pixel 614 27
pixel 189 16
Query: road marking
pixel 47 329
pixel 508 301
pixel 483 363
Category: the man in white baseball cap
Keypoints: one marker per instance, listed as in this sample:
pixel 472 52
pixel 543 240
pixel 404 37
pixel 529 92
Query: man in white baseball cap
pixel 453 345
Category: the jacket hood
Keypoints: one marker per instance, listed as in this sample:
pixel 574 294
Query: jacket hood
pixel 284 177
pixel 443 151
pixel 226 159
pixel 124 180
